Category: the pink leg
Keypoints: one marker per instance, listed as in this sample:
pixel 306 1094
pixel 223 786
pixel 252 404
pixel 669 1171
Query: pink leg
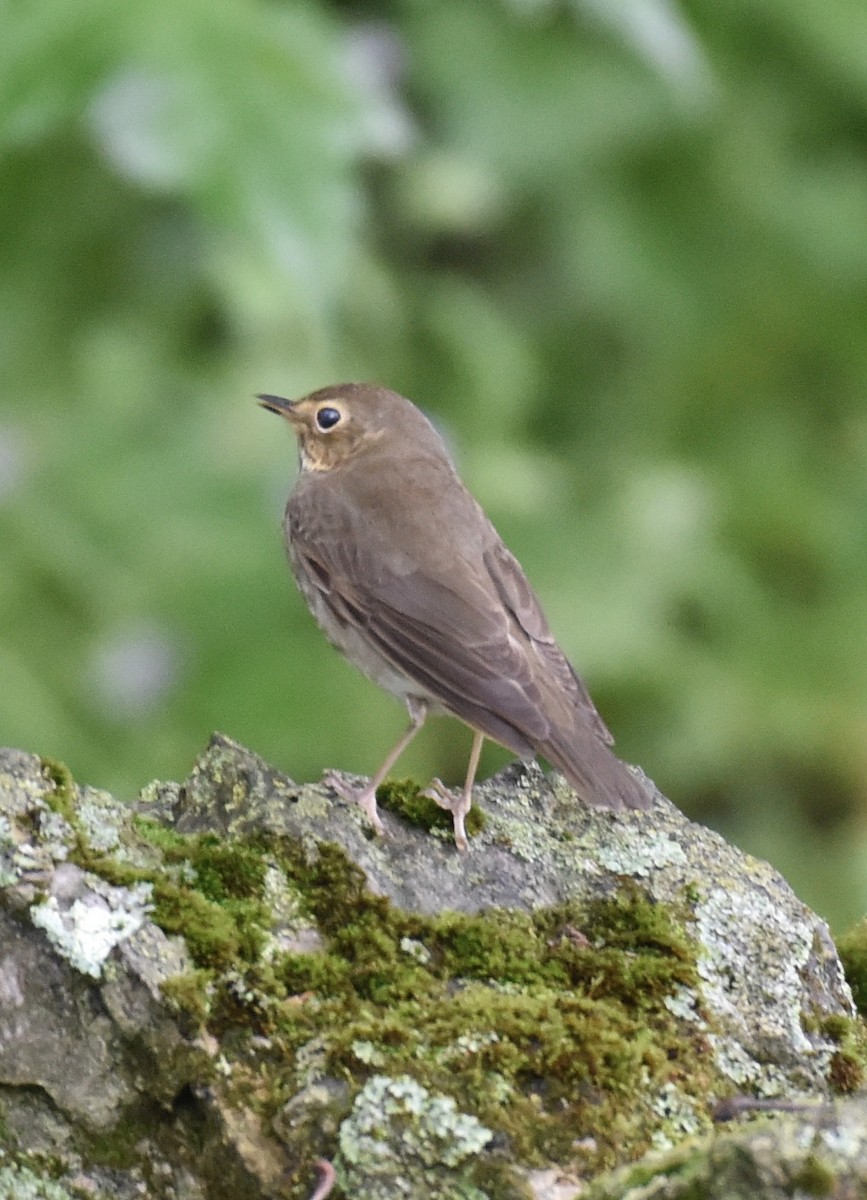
pixel 460 807
pixel 366 796
pixel 327 1179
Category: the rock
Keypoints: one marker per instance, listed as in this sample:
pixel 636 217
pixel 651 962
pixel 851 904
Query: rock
pixel 203 995
pixel 766 961
pixel 821 1151
pixel 399 1135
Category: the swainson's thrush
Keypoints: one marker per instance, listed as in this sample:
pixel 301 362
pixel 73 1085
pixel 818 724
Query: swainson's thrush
pixel 411 582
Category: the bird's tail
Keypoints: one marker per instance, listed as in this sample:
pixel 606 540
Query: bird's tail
pixel 595 772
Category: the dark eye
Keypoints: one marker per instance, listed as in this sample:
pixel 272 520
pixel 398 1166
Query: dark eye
pixel 327 418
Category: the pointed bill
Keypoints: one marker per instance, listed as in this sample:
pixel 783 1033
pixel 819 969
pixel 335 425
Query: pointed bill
pixel 277 404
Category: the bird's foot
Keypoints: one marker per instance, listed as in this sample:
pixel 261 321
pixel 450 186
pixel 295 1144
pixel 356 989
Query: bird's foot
pixel 458 806
pixel 365 796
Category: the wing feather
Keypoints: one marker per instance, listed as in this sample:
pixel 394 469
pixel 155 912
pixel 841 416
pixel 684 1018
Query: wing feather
pixel 458 618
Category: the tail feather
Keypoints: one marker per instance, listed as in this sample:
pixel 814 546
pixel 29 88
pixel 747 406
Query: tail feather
pixel 595 772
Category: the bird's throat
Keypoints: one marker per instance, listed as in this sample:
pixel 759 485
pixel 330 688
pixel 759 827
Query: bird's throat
pixel 315 456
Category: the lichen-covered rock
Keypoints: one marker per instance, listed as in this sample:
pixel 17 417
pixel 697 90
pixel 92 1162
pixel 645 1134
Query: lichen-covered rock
pixel 768 968
pixel 93 1065
pixel 400 1137
pixel 818 1151
pixel 21 1183
pixel 203 995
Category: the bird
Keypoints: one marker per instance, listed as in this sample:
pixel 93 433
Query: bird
pixel 410 581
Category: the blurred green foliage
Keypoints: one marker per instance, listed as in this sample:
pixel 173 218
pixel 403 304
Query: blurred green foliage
pixel 615 247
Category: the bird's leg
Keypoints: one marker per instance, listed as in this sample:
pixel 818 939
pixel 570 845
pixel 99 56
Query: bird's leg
pixel 366 796
pixel 459 808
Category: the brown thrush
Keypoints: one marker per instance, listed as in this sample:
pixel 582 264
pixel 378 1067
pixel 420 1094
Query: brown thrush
pixel 411 582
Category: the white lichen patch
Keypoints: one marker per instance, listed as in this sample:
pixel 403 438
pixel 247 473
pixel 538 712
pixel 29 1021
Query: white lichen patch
pixel 639 851
pixel 742 1069
pixel 55 834
pixel 401 1139
pixel 100 818
pixel 8 873
pixel 86 930
pixel 20 1183
pixel 754 978
pixel 160 796
pixel 466 1046
pixel 683 1004
pixel 33 837
pixel 369 1054
pixel 678 1114
pixel 291 931
pixel 311 1061
pixel 753 955
pixel 415 949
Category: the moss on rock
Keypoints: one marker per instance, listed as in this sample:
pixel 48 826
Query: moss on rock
pixel 534 1026
pixel 406 799
pixel 475 1043
pixel 852 946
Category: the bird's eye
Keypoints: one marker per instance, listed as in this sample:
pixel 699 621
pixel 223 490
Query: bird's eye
pixel 327 418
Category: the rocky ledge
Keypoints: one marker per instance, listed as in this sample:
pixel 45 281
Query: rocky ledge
pixel 230 989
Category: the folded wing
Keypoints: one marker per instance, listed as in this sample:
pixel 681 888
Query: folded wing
pixel 472 633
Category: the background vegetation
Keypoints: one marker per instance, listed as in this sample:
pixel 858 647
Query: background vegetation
pixel 617 248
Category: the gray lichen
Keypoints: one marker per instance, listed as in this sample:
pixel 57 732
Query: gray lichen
pixel 20 1183
pixel 819 1151
pixel 403 1141
pixel 594 982
pixel 87 929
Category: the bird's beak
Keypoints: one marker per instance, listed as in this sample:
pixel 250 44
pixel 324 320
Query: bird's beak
pixel 276 404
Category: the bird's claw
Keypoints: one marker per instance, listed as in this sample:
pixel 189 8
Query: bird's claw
pixel 364 796
pixel 456 805
pixel 437 791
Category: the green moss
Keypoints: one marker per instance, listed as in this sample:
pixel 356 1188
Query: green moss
pixel 112 870
pixel 835 1026
pixel 406 799
pixel 495 1177
pixel 529 1024
pixel 226 871
pixel 533 1066
pixel 809 1022
pixel 156 834
pixel 188 994
pixel 205 889
pixel 846 1072
pixel 210 933
pixel 536 1024
pixel 217 932
pixel 333 887
pixel 849 1061
pixel 852 947
pixel 62 798
pixel 814 1177
pixel 301 973
pixel 687 1165
pixel 504 945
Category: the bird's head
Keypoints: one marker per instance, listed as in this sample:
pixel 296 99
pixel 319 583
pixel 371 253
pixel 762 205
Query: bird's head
pixel 347 420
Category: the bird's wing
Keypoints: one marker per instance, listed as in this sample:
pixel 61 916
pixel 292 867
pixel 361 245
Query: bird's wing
pixel 468 629
pixel 521 601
